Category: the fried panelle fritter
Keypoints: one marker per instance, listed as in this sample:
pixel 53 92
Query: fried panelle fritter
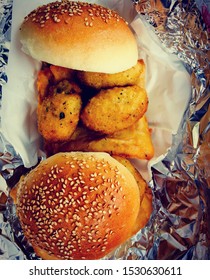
pixel 60 73
pixel 58 116
pixel 115 109
pixel 104 80
pixel 145 194
pixel 132 142
pixel 42 83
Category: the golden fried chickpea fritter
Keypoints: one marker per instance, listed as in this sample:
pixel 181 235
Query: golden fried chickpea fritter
pixel 114 109
pixel 145 193
pixel 132 142
pixel 58 116
pixel 103 80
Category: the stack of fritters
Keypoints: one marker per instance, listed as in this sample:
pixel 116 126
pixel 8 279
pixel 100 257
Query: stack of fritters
pixel 90 111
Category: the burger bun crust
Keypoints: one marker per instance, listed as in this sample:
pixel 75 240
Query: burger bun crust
pixel 80 36
pixel 77 205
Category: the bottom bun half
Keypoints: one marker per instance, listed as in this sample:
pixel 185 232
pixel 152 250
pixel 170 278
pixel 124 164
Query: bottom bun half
pixel 81 205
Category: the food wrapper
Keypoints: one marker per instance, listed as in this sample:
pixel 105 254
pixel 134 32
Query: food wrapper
pixel 172 38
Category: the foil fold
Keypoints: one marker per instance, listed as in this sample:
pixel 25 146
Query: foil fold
pixel 5 27
pixel 179 227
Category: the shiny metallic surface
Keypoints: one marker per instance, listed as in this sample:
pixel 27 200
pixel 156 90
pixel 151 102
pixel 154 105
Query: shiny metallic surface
pixel 180 227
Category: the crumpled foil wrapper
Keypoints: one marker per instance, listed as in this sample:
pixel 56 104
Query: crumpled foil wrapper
pixel 179 227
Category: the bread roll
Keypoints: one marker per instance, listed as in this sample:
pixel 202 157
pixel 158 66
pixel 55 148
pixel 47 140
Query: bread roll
pixel 77 205
pixel 80 36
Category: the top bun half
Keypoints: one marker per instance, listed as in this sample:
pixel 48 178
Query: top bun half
pixel 80 36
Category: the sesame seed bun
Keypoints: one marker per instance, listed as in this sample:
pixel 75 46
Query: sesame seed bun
pixel 80 36
pixel 77 205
